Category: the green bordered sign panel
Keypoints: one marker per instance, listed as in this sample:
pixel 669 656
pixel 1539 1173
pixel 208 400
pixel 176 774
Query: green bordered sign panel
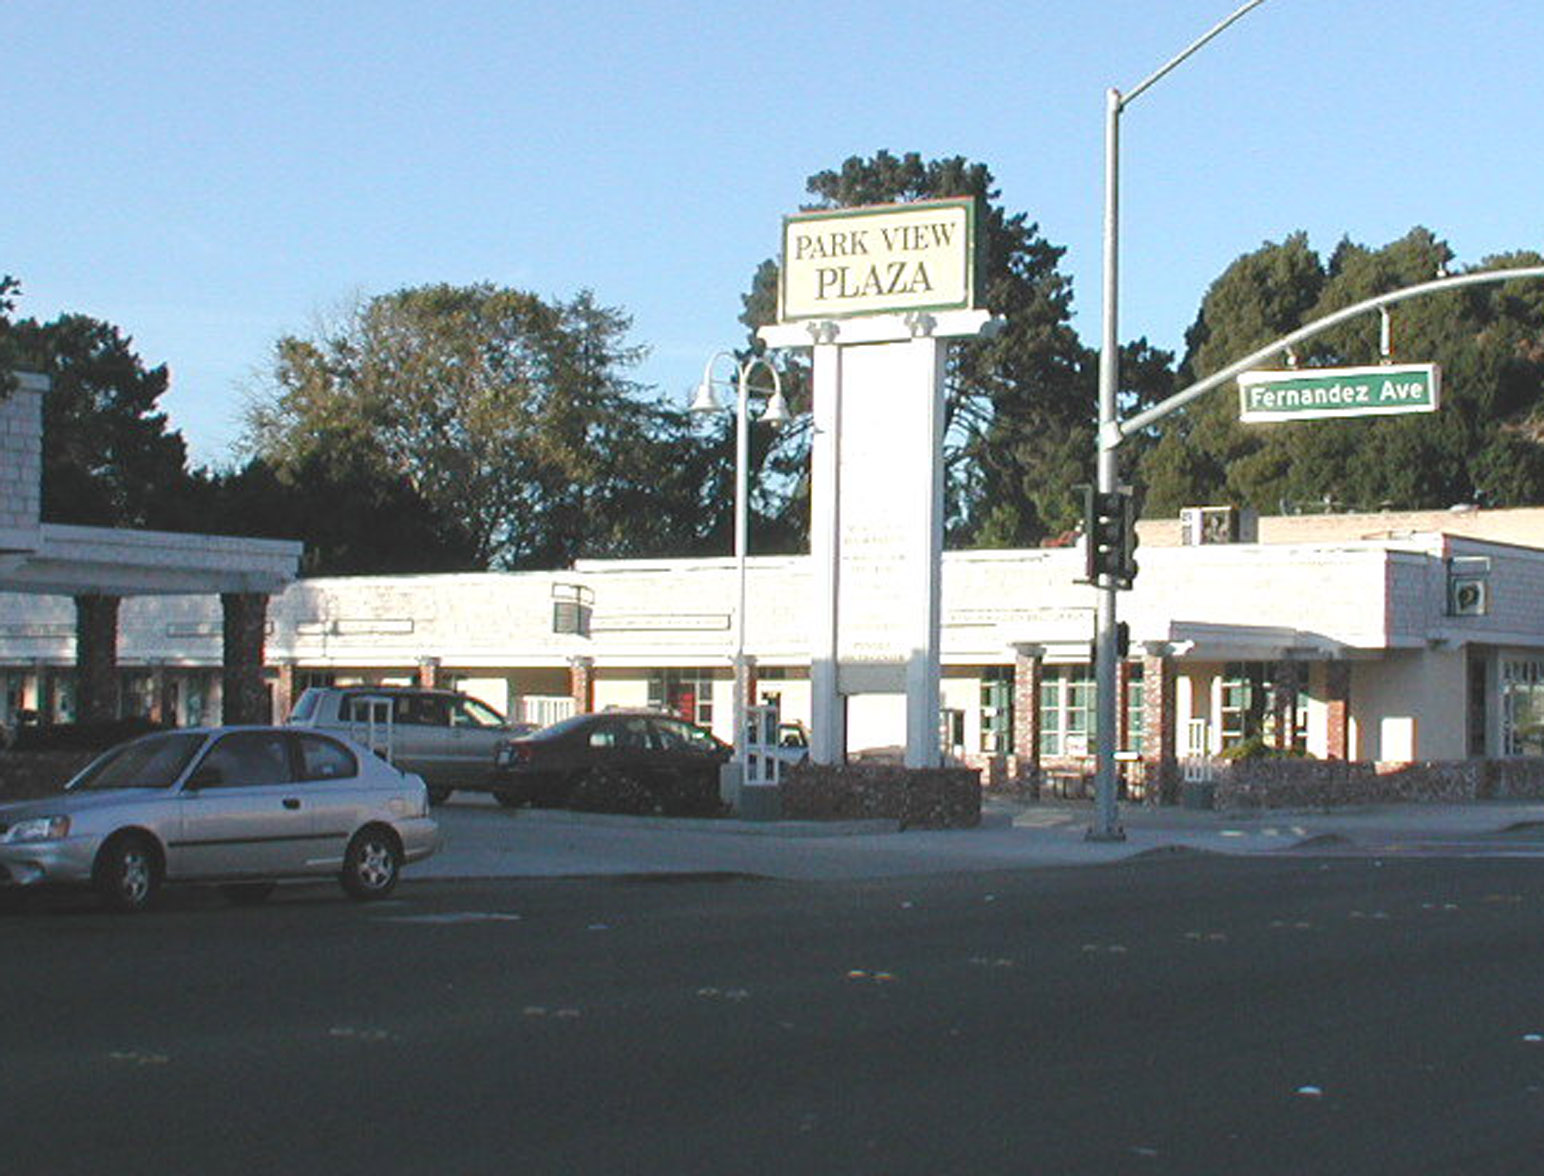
pixel 1317 393
pixel 888 259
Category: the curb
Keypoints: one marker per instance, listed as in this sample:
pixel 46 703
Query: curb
pixel 730 826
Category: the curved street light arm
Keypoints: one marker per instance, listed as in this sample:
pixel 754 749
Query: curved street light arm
pixel 1112 437
pixel 1159 74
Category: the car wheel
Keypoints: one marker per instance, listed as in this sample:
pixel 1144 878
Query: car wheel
pixel 439 795
pixel 127 873
pixel 372 864
pixel 247 893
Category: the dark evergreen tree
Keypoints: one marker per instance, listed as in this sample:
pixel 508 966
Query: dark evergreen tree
pixel 109 458
pixel 1481 446
pixel 351 518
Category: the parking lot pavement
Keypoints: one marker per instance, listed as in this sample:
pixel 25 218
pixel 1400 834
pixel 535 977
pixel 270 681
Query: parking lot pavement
pixel 482 840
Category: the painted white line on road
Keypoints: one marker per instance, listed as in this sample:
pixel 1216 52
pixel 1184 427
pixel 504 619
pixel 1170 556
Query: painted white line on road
pixel 453 917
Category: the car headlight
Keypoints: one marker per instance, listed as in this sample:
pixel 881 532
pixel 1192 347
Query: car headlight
pixel 39 829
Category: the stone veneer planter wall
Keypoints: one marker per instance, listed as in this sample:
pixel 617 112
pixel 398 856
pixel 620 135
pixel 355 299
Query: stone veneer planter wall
pixel 919 798
pixel 1270 784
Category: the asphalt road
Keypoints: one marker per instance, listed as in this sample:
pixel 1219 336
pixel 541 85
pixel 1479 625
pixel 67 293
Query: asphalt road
pixel 1183 1015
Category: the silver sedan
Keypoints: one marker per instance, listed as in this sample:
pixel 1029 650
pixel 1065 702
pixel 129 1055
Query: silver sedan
pixel 241 806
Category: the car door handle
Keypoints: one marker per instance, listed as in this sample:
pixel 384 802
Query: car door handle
pixel 292 802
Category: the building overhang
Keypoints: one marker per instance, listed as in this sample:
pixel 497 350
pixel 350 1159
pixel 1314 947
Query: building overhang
pixel 1209 642
pixel 76 561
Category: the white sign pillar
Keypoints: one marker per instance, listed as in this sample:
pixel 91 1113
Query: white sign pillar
pixel 924 559
pixel 876 529
pixel 828 735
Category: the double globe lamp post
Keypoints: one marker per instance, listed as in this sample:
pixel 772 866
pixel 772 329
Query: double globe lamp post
pixel 775 414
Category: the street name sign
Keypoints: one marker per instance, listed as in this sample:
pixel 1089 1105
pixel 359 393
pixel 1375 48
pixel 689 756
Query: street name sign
pixel 887 259
pixel 1317 393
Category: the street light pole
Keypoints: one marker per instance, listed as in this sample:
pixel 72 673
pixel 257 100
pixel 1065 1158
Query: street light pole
pixel 1106 825
pixel 776 413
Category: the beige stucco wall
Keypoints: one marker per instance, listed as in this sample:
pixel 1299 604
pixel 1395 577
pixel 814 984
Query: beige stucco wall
pixel 1410 706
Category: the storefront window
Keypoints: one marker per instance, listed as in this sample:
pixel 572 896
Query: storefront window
pixel 951 731
pixel 1522 706
pixel 136 694
pixel 997 710
pixel 688 693
pixel 1134 710
pixel 1066 711
pixel 1249 710
pixel 1243 703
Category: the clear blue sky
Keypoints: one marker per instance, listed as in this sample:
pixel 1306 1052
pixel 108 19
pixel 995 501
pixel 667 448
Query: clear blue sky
pixel 209 175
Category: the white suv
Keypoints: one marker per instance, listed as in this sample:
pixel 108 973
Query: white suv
pixel 445 737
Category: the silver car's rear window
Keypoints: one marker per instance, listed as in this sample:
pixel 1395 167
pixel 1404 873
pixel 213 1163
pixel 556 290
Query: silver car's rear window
pixel 155 761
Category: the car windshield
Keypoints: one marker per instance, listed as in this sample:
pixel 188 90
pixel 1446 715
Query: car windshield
pixel 473 712
pixel 155 761
pixel 306 707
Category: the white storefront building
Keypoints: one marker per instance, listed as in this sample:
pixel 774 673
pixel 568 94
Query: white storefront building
pixel 1389 638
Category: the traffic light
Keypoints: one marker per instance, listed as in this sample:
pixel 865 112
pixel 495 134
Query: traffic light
pixel 1126 574
pixel 1110 535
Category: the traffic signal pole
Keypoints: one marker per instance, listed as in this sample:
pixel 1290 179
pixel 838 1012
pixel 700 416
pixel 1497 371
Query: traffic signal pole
pixel 1106 823
pixel 1117 570
pixel 1106 826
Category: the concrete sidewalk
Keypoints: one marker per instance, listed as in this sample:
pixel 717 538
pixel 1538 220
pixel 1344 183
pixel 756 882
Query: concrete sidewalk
pixel 484 841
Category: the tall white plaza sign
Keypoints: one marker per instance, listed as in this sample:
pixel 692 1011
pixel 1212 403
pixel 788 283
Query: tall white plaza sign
pixel 875 292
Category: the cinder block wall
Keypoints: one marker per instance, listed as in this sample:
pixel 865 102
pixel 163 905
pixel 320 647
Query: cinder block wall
pixel 21 457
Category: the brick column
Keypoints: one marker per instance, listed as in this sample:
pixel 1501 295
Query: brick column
pixel 1028 672
pixel 1337 697
pixel 1159 724
pixel 751 672
pixel 581 683
pixel 744 685
pixel 1122 705
pixel 284 690
pixel 243 694
pixel 96 658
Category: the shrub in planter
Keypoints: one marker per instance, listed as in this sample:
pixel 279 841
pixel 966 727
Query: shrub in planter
pixel 690 797
pixel 97 736
pixel 1255 748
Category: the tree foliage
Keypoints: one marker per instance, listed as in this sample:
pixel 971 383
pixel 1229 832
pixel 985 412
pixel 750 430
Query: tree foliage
pixel 109 457
pixel 1021 406
pixel 9 359
pixel 1481 446
pixel 511 418
pixel 351 518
